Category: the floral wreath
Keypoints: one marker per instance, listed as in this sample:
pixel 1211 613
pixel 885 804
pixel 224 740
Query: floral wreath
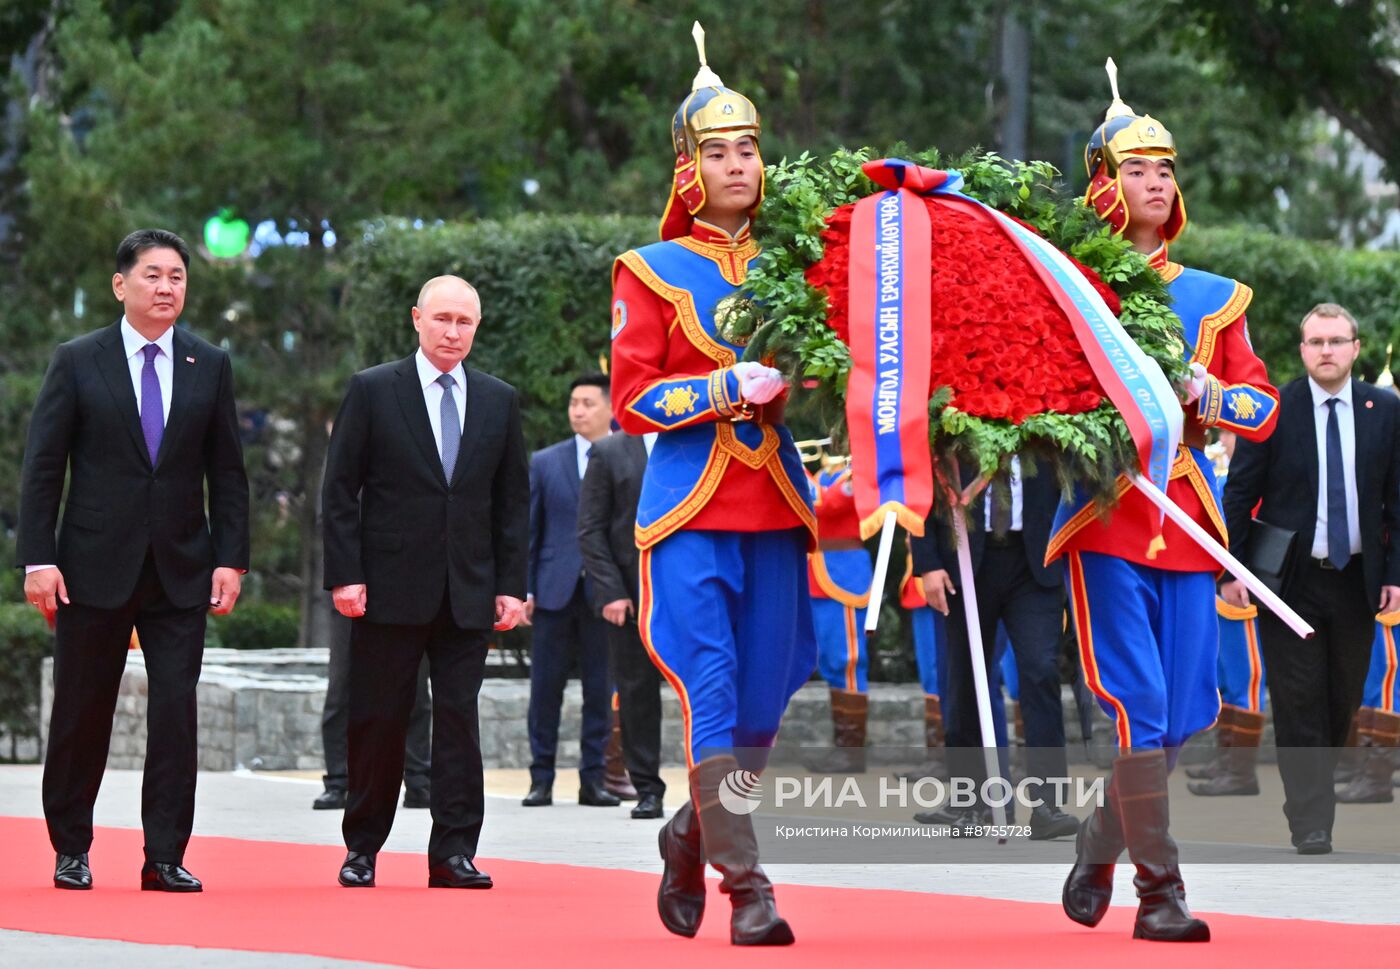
pixel 1003 385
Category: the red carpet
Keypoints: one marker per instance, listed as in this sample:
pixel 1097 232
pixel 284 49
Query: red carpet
pixel 270 897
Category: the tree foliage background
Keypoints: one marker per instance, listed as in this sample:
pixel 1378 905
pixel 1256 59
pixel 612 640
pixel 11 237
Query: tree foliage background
pixel 341 125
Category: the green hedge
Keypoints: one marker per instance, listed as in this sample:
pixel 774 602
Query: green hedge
pixel 25 640
pixel 546 293
pixel 254 625
pixel 1290 277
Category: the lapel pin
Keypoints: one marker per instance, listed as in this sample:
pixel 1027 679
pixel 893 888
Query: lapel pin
pixel 1370 404
pixel 189 360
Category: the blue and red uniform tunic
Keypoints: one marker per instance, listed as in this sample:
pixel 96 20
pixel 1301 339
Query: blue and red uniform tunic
pixel 839 574
pixel 1144 613
pixel 725 518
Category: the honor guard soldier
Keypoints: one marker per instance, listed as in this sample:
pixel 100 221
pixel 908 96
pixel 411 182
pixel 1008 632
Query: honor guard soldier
pixel 725 518
pixel 1142 594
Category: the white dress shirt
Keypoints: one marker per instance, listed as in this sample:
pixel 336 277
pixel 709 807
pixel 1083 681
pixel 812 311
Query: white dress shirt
pixel 1016 523
pixel 134 345
pixel 1346 424
pixel 649 438
pixel 433 391
pixel 582 446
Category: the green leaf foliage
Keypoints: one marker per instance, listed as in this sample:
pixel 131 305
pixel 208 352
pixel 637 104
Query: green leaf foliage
pixel 25 640
pixel 546 295
pixel 1290 277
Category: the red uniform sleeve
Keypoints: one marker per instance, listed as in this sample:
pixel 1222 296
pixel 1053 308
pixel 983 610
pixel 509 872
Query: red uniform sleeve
pixel 1238 395
pixel 651 391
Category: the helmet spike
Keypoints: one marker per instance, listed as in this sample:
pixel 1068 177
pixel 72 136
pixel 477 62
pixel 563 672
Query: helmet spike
pixel 1117 109
pixel 703 77
pixel 1386 378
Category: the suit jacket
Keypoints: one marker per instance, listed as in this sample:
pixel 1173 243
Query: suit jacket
pixel 607 517
pixel 86 422
pixel 396 524
pixel 1283 472
pixel 556 566
pixel 1039 499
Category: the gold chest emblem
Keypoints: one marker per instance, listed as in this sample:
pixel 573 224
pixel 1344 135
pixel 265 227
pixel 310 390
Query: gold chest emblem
pixel 1243 406
pixel 677 401
pixel 730 324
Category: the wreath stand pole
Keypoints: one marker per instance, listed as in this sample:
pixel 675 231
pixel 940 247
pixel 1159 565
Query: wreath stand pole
pixel 974 645
pixel 1218 552
pixel 882 564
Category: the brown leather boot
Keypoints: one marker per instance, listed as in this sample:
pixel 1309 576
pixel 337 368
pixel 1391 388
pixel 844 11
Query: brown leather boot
pixel 1351 757
pixel 1211 767
pixel 1240 732
pixel 849 712
pixel 1142 808
pixel 681 900
pixel 1379 735
pixel 934 764
pixel 616 780
pixel 1089 887
pixel 732 848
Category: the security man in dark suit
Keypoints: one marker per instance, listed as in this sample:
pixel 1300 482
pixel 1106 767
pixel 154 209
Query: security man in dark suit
pixel 1331 473
pixel 607 518
pixel 1016 588
pixel 425 548
pixel 139 417
pixel 567 632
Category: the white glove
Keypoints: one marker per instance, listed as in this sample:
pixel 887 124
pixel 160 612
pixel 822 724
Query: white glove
pixel 1196 385
pixel 758 384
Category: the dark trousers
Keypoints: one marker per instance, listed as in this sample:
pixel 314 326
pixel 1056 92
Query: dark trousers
pixel 562 638
pixel 1034 618
pixel 1315 685
pixel 336 715
pixel 384 662
pixel 638 706
pixel 90 649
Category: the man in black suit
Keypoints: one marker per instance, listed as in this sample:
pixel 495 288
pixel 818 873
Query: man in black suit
pixel 1016 588
pixel 607 517
pixel 1331 473
pixel 425 546
pixel 567 633
pixel 141 416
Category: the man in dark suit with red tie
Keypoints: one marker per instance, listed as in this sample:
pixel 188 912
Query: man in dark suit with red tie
pixel 1331 473
pixel 425 544
pixel 139 418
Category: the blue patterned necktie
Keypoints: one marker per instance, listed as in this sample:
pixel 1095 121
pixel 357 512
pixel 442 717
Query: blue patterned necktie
pixel 451 426
pixel 152 409
pixel 1338 534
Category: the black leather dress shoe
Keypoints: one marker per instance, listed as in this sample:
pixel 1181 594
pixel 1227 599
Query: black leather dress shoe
pixel 965 819
pixel 1315 843
pixel 1048 822
pixel 648 806
pixel 457 872
pixel 159 876
pixel 72 872
pixel 331 799
pixel 418 797
pixel 541 795
pixel 595 795
pixel 357 870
